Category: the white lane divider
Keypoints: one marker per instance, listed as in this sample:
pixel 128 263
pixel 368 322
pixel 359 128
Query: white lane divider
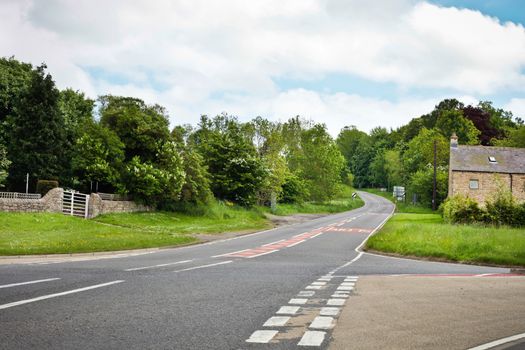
pixel 158 265
pixel 204 266
pixel 28 282
pixel 49 296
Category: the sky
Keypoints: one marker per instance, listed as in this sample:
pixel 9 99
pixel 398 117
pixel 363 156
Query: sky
pixel 339 62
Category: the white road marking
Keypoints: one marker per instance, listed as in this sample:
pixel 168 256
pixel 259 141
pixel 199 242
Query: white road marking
pixel 49 296
pixel 288 310
pixel 335 302
pixel 29 282
pixel 340 296
pixel 329 311
pixel 306 293
pixel 318 283
pixel 159 265
pixel 296 243
pixel 297 301
pixel 276 321
pixel 231 253
pixel 204 266
pixel 312 338
pixel 324 279
pixel 498 342
pixel 322 322
pixel 314 287
pixel 261 336
pixel 269 252
pixel 345 288
pixel 267 244
pixel 347 284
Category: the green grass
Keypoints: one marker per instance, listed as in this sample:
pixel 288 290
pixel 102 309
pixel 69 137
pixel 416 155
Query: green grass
pixel 343 202
pixel 401 207
pixel 45 233
pixel 426 235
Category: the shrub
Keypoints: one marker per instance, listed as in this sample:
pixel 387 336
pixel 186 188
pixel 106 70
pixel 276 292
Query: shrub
pixel 44 186
pixel 503 210
pixel 461 209
pixel 295 190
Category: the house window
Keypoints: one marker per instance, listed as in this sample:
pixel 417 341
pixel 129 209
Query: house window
pixel 473 184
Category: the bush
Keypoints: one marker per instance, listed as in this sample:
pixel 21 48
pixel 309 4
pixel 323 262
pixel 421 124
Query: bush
pixel 503 210
pixel 295 190
pixel 460 209
pixel 44 186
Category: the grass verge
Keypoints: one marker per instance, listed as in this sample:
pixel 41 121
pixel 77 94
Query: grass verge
pixel 426 235
pixel 343 202
pixel 401 207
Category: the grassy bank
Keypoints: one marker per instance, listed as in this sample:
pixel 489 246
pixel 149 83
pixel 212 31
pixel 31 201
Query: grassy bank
pixel 343 202
pixel 426 235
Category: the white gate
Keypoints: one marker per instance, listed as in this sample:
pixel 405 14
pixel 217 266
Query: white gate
pixel 75 204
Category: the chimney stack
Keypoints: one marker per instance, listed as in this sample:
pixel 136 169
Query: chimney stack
pixel 454 141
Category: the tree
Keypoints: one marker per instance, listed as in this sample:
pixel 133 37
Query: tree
pixel 4 164
pixel 15 78
pixel 420 151
pixel 516 138
pixel 37 137
pixel 142 128
pixel 98 155
pixel 231 158
pixel 393 168
pixel 421 183
pixel 452 121
pixel 322 164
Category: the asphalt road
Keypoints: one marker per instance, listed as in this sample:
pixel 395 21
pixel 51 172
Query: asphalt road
pixel 277 289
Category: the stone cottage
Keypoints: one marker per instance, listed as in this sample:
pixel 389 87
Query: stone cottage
pixel 479 171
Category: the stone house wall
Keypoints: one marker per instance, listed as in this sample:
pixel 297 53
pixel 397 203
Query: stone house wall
pixel 488 185
pixel 51 202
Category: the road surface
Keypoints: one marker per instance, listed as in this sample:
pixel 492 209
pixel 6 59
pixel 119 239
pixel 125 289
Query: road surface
pixel 278 289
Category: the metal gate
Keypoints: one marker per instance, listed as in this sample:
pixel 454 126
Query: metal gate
pixel 75 204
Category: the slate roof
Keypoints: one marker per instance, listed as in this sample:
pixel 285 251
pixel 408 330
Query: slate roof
pixel 476 158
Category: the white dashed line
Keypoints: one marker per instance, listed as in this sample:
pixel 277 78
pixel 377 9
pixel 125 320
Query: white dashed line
pixel 276 321
pixel 329 311
pixel 288 310
pixel 204 266
pixel 159 265
pixel 29 282
pixel 335 302
pixel 269 252
pixel 312 338
pixel 49 296
pixel 322 322
pixel 297 301
pixel 261 336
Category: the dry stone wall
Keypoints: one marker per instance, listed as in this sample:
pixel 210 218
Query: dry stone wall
pixel 98 206
pixel 51 202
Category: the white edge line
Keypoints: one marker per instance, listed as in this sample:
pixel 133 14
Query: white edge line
pixel 159 265
pixel 49 296
pixel 204 266
pixel 28 282
pixel 498 342
pixel 296 243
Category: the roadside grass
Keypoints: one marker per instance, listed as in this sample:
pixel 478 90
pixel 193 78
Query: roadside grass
pixel 46 233
pixel 426 235
pixel 401 207
pixel 343 202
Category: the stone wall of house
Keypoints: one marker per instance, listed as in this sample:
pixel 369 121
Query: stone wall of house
pixel 51 202
pixel 98 206
pixel 489 184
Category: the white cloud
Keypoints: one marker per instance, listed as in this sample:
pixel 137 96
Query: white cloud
pixel 206 56
pixel 517 106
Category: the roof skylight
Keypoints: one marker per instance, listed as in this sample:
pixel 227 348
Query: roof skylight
pixel 492 159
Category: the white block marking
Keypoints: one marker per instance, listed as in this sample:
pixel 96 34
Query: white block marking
pixel 288 310
pixel 276 321
pixel 324 279
pixel 204 266
pixel 345 288
pixel 312 338
pixel 329 311
pixel 29 282
pixel 347 284
pixel 159 265
pixel 322 322
pixel 335 302
pixel 314 287
pixel 49 296
pixel 339 295
pixel 297 301
pixel 318 283
pixel 261 336
pixel 306 293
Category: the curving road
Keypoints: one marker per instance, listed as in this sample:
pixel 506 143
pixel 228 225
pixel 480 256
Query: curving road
pixel 280 289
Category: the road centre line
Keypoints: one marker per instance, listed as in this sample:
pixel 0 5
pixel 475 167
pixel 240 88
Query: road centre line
pixel 159 265
pixel 28 282
pixel 204 266
pixel 269 252
pixel 49 296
